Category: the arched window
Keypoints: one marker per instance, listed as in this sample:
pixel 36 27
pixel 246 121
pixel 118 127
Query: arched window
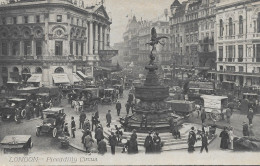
pixel 221 28
pixel 240 24
pixel 15 69
pixel 230 26
pixel 25 70
pixel 59 70
pixel 38 70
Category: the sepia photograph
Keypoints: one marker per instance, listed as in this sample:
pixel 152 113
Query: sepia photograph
pixel 129 82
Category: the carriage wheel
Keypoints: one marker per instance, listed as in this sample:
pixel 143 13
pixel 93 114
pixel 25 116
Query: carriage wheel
pixel 215 115
pixel 23 113
pixel 54 132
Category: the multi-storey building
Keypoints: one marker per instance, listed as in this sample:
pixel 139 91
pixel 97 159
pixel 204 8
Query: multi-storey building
pixel 238 42
pixel 51 38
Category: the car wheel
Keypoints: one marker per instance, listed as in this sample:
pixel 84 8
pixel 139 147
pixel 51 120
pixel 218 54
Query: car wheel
pixel 38 132
pixel 54 132
pixel 23 113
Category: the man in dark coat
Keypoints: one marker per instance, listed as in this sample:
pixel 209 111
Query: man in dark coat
pixel 127 107
pixel 99 134
pixel 130 98
pixel 191 140
pixel 204 142
pixel 157 143
pixel 203 115
pixel 102 147
pixel 112 142
pixel 73 127
pixel 86 125
pixel 109 118
pixel 118 108
pixel 228 114
pixel 148 143
pixel 82 118
pixel 132 146
pixel 93 121
pixel 250 116
pixel 245 129
pixel 224 139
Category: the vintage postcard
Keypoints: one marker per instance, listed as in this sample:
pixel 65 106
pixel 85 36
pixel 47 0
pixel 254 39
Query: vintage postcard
pixel 129 82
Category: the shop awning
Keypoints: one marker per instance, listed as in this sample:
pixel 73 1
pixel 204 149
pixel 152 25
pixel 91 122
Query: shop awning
pixel 76 78
pixel 12 82
pixel 82 75
pixel 60 78
pixel 103 68
pixel 35 78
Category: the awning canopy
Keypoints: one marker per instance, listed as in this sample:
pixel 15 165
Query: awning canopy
pixel 82 75
pixel 103 68
pixel 35 78
pixel 60 78
pixel 76 78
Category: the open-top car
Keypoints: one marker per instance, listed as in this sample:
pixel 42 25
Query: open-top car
pixel 53 122
pixel 17 143
pixel 54 94
pixel 17 102
pixel 89 97
pixel 109 96
pixel 14 109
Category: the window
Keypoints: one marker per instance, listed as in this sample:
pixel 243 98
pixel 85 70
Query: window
pixel 187 49
pixel 14 20
pixel 220 67
pixel 38 48
pixel 77 48
pixel 59 18
pixel 15 48
pixel 230 27
pixel 59 70
pixel 38 19
pixel 241 68
pixel 82 48
pixel 72 20
pixel 231 52
pixel 58 48
pixel 27 48
pixel 167 31
pixel 77 21
pixel 207 25
pixel 4 48
pixel 240 25
pixel 240 53
pixel 3 20
pixel 221 28
pixel 25 19
pixel 71 48
pixel 82 22
pixel 220 53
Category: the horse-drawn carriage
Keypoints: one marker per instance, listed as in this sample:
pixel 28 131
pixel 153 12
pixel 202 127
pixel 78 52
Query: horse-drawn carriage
pixel 109 97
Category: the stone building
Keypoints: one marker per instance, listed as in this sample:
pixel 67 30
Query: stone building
pixel 238 42
pixel 49 41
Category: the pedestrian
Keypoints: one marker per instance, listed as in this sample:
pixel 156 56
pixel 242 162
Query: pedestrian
pixel 224 139
pixel 143 121
pixel 148 143
pixel 132 145
pixel 250 131
pixel 157 143
pixel 99 134
pixel 130 98
pixel 85 133
pixel 231 137
pixel 118 108
pixel 75 106
pixel 102 147
pixel 88 143
pixel 203 115
pixel 73 127
pixel 228 114
pixel 82 118
pixel 93 121
pixel 250 116
pixel 132 106
pixel 86 125
pixel 66 130
pixel 108 118
pixel 204 142
pixel 134 135
pixel 191 140
pixel 245 129
pixel 112 142
pixel 28 114
pixel 41 108
pixel 127 107
pixel 97 116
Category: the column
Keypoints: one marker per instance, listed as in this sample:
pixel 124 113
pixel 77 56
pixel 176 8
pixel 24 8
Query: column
pixel 9 48
pixel 21 48
pixel 46 32
pixel 105 38
pixel 79 48
pixel 74 48
pixel 101 38
pixel 86 52
pixel 33 49
pixel 90 38
pixel 96 39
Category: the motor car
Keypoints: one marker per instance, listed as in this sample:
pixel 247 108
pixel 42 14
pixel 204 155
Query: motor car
pixel 17 144
pixel 108 96
pixel 53 122
pixel 182 107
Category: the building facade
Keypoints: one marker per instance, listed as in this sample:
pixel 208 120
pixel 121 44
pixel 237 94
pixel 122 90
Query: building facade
pixel 51 38
pixel 238 42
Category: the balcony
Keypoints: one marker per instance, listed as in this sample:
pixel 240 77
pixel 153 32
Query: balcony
pixel 220 59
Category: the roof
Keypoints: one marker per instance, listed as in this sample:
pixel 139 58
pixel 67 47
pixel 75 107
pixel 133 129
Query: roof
pixel 53 109
pixel 16 99
pixel 175 3
pixel 179 101
pixel 15 139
